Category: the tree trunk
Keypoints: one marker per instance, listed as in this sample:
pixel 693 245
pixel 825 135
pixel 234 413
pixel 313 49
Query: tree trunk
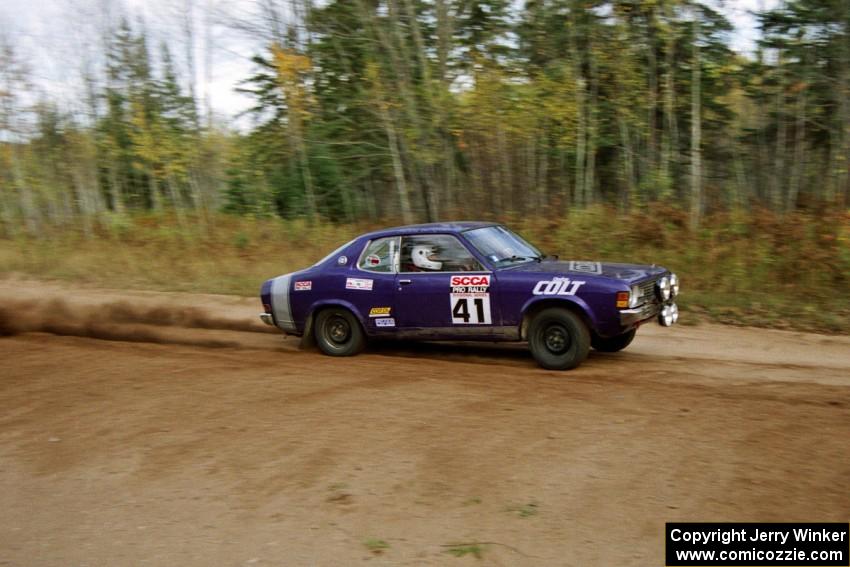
pixel 670 144
pixel 652 150
pixel 844 107
pixel 696 129
pixel 628 165
pixel 115 190
pixel 505 166
pixel 543 176
pixel 307 176
pixel 156 205
pixel 581 139
pixel 176 202
pixel 778 190
pixel 398 167
pixel 799 165
pixel 590 171
pixel 25 195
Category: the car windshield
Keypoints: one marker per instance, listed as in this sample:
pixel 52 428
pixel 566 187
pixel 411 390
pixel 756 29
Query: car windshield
pixel 501 246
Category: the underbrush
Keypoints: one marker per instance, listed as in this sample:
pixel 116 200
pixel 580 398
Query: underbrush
pixel 755 268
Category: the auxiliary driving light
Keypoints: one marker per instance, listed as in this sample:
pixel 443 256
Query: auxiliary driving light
pixel 669 315
pixel 664 288
pixel 674 285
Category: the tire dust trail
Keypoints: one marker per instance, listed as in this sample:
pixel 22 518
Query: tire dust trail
pixel 77 313
pixel 205 442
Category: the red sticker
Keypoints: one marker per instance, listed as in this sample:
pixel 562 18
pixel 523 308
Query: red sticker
pixel 458 281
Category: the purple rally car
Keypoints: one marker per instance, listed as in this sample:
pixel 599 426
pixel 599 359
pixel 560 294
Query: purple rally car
pixel 468 281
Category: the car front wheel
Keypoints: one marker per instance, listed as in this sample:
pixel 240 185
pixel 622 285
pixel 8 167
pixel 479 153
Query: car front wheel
pixel 559 339
pixel 613 344
pixel 338 333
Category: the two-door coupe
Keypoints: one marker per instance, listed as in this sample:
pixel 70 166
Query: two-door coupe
pixel 468 281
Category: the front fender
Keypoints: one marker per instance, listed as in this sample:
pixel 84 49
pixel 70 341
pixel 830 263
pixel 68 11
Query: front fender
pixel 572 302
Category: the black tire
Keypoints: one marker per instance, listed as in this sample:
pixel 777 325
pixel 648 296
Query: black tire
pixel 613 344
pixel 338 332
pixel 558 339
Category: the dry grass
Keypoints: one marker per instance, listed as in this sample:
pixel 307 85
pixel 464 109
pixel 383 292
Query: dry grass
pixel 757 269
pixel 231 255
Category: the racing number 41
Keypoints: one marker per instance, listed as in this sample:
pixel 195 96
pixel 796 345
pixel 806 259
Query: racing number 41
pixel 478 313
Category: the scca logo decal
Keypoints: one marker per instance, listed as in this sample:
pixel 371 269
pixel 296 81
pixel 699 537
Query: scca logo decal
pixel 470 280
pixel 557 286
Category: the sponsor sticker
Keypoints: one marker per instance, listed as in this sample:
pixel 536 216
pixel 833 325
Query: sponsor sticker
pixel 385 322
pixel 557 286
pixel 372 260
pixel 303 286
pixel 379 312
pixel 469 300
pixel 585 267
pixel 358 283
pixel 474 281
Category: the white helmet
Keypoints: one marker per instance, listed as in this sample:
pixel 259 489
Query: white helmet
pixel 422 255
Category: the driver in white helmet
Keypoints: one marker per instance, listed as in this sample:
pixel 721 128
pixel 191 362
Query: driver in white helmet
pixel 425 258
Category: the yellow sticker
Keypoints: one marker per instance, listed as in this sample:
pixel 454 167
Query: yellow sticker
pixel 379 312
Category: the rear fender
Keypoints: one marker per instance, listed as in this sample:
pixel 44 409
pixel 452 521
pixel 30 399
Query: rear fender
pixel 319 305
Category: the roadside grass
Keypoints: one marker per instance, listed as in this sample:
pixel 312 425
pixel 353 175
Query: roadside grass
pixel 461 550
pixel 376 546
pixel 230 255
pixel 524 510
pixel 759 268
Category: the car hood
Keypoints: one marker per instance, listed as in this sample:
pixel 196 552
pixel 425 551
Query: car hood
pixel 622 272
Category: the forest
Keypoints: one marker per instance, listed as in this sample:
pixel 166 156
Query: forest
pixel 627 129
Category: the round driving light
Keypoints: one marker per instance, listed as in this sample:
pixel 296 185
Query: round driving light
pixel 674 313
pixel 664 288
pixel 665 318
pixel 674 285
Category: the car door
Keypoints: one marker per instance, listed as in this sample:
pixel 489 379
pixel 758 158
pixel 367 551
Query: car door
pixel 442 289
pixel 370 285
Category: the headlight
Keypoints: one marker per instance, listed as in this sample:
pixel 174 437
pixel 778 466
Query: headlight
pixel 674 285
pixel 664 288
pixel 634 297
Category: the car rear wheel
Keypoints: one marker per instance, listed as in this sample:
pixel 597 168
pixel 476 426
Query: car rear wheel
pixel 338 333
pixel 613 344
pixel 558 339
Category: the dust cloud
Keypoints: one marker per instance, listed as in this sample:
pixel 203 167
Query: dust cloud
pixel 117 321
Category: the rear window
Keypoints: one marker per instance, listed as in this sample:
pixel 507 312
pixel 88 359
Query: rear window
pixel 379 255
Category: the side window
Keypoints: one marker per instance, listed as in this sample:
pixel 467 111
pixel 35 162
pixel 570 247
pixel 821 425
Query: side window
pixel 379 255
pixel 436 253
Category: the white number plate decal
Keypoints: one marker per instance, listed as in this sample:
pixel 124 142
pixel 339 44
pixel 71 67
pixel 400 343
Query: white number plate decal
pixel 470 309
pixel 470 300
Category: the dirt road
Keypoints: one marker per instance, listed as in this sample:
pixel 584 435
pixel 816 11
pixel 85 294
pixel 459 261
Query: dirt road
pixel 166 429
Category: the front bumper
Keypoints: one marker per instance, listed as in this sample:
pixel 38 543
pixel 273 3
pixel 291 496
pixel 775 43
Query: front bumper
pixel 267 319
pixel 632 317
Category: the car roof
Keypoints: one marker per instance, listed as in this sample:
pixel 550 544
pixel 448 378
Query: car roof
pixel 429 228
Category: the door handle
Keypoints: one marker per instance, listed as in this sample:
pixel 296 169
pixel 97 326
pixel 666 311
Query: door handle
pixel 405 282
